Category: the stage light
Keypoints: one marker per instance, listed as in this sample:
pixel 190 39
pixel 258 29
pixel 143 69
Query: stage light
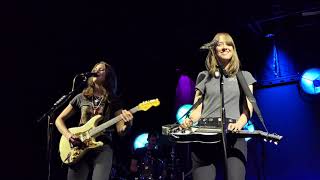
pixel 182 111
pixel 249 127
pixel 269 35
pixel 310 81
pixel 140 141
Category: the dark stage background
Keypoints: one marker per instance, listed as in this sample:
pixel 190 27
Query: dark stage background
pixel 150 44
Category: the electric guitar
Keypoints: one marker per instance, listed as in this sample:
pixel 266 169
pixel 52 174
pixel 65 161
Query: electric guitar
pixel 212 135
pixel 87 133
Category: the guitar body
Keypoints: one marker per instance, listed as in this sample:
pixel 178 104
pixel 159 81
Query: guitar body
pixel 211 135
pixel 192 137
pixel 70 155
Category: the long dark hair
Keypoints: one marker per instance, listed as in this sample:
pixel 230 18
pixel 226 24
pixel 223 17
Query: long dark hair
pixel 110 84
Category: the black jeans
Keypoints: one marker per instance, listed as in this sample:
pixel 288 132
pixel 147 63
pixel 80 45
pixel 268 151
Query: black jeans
pixel 206 157
pixel 97 161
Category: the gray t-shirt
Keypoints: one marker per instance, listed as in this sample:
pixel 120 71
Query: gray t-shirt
pixel 104 108
pixel 210 87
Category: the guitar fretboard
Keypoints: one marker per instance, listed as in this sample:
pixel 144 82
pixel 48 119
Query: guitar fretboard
pixel 170 130
pixel 95 131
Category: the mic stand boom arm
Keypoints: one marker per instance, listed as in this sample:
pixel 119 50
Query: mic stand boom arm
pixel 50 118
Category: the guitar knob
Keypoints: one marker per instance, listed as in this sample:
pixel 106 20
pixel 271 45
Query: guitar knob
pixel 270 141
pixel 276 143
pixel 265 140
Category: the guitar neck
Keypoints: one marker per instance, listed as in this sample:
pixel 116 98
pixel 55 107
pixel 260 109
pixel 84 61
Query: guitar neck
pixel 240 134
pixel 95 131
pixel 246 133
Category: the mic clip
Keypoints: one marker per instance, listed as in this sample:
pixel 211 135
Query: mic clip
pixel 88 74
pixel 209 45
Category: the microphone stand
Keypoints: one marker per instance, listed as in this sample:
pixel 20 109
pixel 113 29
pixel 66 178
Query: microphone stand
pixel 223 127
pixel 223 73
pixel 49 115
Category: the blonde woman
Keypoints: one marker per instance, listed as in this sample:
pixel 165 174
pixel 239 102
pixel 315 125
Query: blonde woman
pixel 237 111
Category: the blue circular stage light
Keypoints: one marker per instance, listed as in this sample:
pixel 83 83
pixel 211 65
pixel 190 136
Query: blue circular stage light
pixel 310 81
pixel 182 111
pixel 140 141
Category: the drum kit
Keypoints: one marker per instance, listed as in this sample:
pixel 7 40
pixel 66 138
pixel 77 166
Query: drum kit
pixel 158 169
pixel 151 168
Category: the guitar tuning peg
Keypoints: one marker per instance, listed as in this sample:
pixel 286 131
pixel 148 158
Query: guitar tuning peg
pixel 276 143
pixel 270 141
pixel 265 140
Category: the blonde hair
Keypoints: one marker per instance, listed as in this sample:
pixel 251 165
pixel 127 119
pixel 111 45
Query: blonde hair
pixel 211 59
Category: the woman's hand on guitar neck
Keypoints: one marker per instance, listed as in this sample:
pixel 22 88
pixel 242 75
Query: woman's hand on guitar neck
pixel 126 116
pixel 186 123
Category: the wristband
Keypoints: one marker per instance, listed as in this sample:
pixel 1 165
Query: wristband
pixel 190 122
pixel 245 115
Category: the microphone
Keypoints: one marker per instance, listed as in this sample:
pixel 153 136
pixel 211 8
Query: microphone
pixel 209 45
pixel 89 74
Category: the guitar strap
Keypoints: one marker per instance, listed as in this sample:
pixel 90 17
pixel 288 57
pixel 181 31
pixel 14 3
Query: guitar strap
pixel 251 98
pixel 199 101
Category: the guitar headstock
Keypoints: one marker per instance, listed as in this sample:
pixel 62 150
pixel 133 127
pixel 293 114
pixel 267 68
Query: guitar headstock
pixel 275 138
pixel 145 105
